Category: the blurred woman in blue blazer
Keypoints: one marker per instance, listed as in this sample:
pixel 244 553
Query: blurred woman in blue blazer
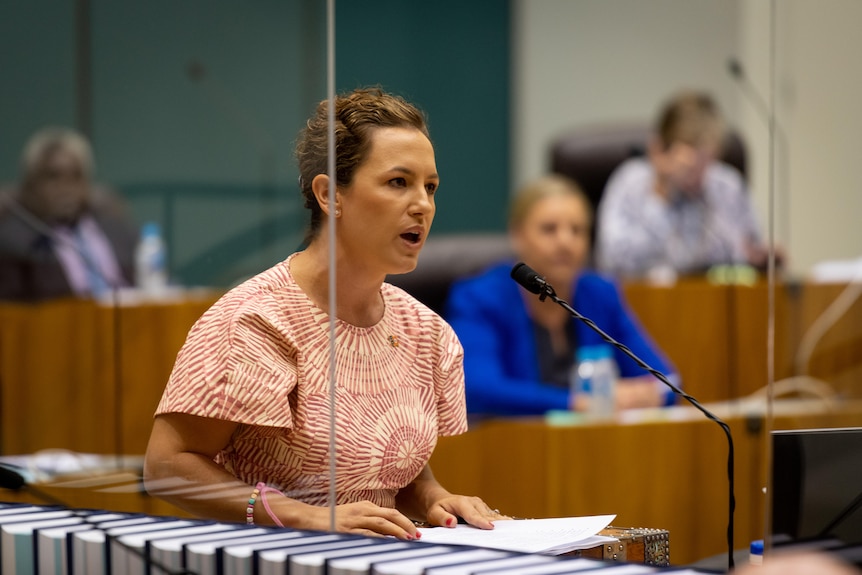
pixel 519 352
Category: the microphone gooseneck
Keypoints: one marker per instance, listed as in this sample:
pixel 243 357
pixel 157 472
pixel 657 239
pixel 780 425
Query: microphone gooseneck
pixel 530 280
pixel 735 68
pixel 755 98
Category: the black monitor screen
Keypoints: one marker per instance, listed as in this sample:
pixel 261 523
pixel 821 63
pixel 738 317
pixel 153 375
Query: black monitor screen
pixel 817 484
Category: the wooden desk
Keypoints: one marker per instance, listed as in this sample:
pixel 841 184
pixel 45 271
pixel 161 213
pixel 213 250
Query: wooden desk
pixel 84 376
pixel 87 377
pixel 667 469
pixel 119 491
pixel 716 335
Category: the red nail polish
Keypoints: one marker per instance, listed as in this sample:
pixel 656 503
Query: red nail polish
pixel 418 535
pixel 450 522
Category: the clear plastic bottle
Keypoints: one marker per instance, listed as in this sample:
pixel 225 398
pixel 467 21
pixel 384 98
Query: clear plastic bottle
pixel 755 556
pixel 595 375
pixel 151 272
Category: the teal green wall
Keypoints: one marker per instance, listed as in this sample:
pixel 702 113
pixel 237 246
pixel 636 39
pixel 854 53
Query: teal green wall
pixel 195 119
pixel 37 64
pixel 452 58
pixel 210 154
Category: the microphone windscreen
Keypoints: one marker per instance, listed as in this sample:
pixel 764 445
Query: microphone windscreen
pixel 735 68
pixel 527 277
pixel 10 479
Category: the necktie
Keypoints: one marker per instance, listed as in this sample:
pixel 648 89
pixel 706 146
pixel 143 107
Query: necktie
pixel 95 277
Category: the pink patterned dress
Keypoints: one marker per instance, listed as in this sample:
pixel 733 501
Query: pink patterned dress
pixel 260 357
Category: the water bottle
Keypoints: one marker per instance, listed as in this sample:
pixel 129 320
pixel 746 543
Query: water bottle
pixel 755 555
pixel 595 376
pixel 151 273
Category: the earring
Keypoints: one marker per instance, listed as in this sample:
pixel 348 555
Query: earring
pixel 337 213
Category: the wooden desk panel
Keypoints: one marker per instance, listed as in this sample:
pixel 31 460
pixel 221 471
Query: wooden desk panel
pixel 61 363
pixel 120 491
pixel 69 382
pixel 837 356
pixel 749 357
pixel 691 324
pixel 668 473
pixel 53 378
pixel 151 335
pixel 717 335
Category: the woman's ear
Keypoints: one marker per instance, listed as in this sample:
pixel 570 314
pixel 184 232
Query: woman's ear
pixel 320 188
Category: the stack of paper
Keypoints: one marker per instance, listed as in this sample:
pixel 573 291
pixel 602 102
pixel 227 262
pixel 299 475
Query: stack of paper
pixel 551 536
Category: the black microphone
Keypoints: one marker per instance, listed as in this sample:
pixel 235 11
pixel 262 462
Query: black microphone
pixel 10 479
pixel 530 280
pixel 14 481
pixel 737 72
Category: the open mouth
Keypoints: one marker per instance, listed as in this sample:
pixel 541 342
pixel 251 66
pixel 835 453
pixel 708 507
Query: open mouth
pixel 411 237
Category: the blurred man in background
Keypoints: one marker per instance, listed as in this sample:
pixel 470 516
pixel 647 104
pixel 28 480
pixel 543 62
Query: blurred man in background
pixel 680 211
pixel 60 235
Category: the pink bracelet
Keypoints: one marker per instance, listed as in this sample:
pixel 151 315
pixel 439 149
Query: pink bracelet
pixel 262 488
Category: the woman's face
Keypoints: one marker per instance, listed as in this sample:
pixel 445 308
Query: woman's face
pixel 387 210
pixel 554 238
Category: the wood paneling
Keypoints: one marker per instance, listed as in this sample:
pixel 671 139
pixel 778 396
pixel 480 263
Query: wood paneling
pixel 86 377
pixel 668 470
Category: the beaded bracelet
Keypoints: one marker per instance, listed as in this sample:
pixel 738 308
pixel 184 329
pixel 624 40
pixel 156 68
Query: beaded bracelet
pixel 249 511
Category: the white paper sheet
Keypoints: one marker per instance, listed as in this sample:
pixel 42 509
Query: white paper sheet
pixel 556 535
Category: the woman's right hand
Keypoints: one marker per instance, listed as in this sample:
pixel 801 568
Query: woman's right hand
pixel 362 518
pixel 181 451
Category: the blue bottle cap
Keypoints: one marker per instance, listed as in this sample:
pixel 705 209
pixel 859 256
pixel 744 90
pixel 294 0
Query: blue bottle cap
pixel 151 229
pixel 756 547
pixel 594 352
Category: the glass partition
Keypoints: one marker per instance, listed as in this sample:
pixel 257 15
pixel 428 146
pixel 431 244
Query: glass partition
pixel 764 355
pixel 815 392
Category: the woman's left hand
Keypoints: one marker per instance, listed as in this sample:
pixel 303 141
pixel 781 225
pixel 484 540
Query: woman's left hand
pixel 425 498
pixel 446 511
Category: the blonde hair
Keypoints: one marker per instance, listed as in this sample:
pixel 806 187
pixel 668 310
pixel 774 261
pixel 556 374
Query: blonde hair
pixel 47 141
pixel 533 192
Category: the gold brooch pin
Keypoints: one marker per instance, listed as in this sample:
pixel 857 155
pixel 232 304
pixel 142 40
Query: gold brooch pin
pixel 393 341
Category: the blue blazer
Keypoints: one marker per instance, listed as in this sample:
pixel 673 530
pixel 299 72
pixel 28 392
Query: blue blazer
pixel 501 364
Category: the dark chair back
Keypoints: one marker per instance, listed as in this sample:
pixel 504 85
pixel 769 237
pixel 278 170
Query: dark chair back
pixel 447 258
pixel 590 154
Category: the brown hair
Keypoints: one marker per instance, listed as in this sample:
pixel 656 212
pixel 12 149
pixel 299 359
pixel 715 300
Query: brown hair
pixel 357 114
pixel 692 118
pixel 551 185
